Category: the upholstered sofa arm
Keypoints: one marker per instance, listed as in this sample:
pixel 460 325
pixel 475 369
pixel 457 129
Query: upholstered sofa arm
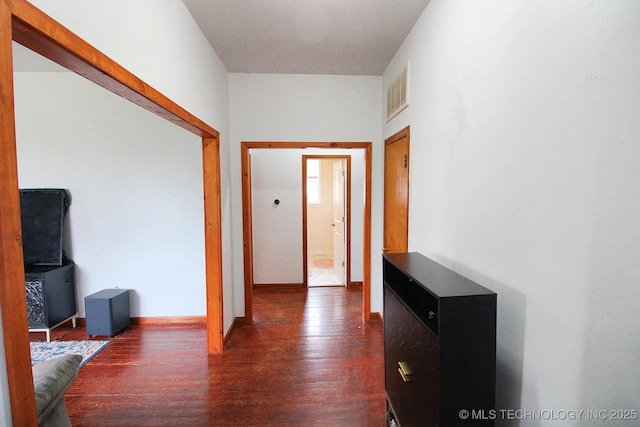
pixel 51 379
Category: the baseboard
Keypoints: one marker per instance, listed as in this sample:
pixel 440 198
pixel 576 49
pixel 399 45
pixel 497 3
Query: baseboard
pixel 377 317
pixel 238 321
pixel 169 320
pixel 279 286
pixel 165 320
pixel 356 285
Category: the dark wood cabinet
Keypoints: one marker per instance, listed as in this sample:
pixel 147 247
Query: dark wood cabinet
pixel 440 344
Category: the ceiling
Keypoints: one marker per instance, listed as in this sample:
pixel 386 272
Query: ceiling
pixel 350 37
pixel 344 37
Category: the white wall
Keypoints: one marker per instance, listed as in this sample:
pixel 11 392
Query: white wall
pixel 277 229
pixel 524 151
pixel 269 107
pixel 158 41
pixel 135 181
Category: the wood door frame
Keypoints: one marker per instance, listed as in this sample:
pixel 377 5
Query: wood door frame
pixel 247 237
pixel 25 24
pixel 347 200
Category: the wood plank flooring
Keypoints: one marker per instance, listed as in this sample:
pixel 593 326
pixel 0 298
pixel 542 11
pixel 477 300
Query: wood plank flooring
pixel 308 360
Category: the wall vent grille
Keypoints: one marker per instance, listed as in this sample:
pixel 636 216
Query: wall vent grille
pixel 398 93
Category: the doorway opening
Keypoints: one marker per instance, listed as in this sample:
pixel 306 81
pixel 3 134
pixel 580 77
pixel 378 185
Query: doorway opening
pixel 326 219
pixel 28 26
pixel 249 215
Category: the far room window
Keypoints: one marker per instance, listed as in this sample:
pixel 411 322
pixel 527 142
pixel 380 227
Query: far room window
pixel 313 181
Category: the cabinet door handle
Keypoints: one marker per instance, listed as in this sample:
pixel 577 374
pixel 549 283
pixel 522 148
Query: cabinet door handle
pixel 404 371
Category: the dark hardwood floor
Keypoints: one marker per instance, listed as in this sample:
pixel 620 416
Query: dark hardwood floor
pixel 308 360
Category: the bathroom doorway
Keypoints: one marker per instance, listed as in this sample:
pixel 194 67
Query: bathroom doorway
pixel 326 208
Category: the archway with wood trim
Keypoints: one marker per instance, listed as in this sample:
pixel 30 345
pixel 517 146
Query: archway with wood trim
pixel 25 24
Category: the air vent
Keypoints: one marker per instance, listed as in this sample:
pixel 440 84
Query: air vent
pixel 398 93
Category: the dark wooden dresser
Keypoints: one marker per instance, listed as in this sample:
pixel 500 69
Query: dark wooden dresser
pixel 440 344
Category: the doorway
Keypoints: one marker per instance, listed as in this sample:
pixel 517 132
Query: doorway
pixel 326 219
pixel 25 24
pixel 248 215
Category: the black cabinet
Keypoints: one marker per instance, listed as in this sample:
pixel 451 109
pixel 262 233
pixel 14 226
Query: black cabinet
pixel 51 297
pixel 49 275
pixel 440 344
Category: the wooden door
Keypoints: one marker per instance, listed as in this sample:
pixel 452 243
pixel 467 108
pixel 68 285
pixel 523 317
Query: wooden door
pixel 339 223
pixel 396 192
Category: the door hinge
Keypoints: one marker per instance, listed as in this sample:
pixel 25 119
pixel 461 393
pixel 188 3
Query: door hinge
pixel 405 161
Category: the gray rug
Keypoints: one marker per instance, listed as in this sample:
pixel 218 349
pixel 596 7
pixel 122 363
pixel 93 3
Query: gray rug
pixel 43 350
